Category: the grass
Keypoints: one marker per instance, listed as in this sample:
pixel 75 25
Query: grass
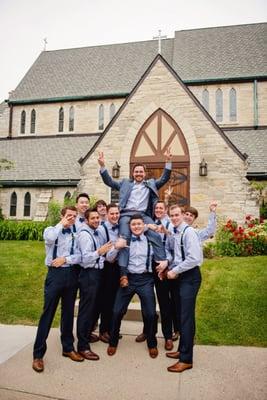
pixel 231 305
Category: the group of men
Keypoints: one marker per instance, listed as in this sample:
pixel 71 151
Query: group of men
pixel 109 253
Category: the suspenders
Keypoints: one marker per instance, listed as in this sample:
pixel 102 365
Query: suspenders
pixel 94 243
pixel 182 243
pixel 72 243
pixel 165 236
pixel 148 256
pixel 106 230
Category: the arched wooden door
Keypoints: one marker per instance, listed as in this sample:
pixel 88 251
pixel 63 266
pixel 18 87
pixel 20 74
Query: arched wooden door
pixel 158 133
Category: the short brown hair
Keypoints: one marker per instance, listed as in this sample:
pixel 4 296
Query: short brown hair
pixel 66 208
pixel 138 165
pixel 82 195
pixel 112 205
pixel 100 203
pixel 89 211
pixel 176 206
pixel 191 210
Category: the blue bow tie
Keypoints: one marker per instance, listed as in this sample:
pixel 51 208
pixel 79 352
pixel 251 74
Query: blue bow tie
pixel 102 222
pixel 81 219
pixel 175 230
pixel 95 233
pixel 158 222
pixel 135 238
pixel 66 230
pixel 114 227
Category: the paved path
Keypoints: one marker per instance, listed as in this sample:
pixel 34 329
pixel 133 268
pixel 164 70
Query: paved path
pixel 219 373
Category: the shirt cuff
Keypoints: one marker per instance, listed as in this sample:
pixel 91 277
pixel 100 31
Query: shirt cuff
pixel 168 165
pixel 102 169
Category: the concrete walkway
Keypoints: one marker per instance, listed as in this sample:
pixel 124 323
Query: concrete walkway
pixel 219 373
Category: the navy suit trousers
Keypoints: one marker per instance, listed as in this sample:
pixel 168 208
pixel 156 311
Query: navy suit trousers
pixel 143 286
pixel 61 283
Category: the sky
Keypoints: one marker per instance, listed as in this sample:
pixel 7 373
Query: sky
pixel 25 23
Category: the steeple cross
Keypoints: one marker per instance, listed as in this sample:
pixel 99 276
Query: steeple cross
pixel 159 37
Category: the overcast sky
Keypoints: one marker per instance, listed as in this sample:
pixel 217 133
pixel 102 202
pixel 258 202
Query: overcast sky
pixel 66 24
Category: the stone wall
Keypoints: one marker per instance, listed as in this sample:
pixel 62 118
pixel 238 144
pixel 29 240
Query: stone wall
pixel 226 180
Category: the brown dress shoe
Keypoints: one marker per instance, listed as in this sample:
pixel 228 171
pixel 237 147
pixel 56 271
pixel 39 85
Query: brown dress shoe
pixel 175 336
pixel 179 367
pixel 93 338
pixel 111 350
pixel 140 338
pixel 73 355
pixel 89 355
pixel 173 354
pixel 124 281
pixel 153 352
pixel 104 337
pixel 38 364
pixel 168 344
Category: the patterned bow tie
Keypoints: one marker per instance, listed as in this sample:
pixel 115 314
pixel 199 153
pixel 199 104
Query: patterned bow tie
pixel 81 219
pixel 66 230
pixel 95 233
pixel 135 238
pixel 158 222
pixel 114 227
pixel 175 230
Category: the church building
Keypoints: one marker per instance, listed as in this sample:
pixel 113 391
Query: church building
pixel 203 93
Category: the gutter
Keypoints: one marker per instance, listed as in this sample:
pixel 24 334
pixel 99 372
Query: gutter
pixel 39 183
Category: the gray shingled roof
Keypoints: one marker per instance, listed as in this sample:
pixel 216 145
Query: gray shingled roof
pixel 54 158
pixel 211 53
pixel 254 143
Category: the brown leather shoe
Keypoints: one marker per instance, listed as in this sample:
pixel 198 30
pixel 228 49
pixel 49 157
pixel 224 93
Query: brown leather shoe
pixel 140 338
pixel 173 354
pixel 124 281
pixel 73 355
pixel 175 336
pixel 93 338
pixel 153 352
pixel 179 367
pixel 104 337
pixel 38 364
pixel 89 355
pixel 168 344
pixel 111 350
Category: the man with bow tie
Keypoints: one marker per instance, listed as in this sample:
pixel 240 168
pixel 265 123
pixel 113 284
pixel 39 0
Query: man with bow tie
pixel 136 195
pixel 62 257
pixel 82 204
pixel 141 282
pixel 92 264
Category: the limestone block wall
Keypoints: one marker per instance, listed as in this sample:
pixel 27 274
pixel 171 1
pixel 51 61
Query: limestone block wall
pixel 4 120
pixel 226 180
pixel 245 102
pixel 5 196
pixel 47 116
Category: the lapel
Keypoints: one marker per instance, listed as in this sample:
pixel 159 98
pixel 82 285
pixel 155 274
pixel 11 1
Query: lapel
pixel 128 191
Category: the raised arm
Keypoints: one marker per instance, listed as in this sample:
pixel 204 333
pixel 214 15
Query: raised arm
pixel 104 173
pixel 167 170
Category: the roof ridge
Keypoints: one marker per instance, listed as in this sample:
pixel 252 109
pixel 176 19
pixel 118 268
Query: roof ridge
pixel 221 26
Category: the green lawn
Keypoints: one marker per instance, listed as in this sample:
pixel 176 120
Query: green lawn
pixel 231 307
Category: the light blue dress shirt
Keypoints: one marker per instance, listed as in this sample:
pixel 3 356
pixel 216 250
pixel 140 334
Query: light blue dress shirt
pixel 209 230
pixel 87 243
pixel 138 256
pixel 65 242
pixel 192 249
pixel 112 254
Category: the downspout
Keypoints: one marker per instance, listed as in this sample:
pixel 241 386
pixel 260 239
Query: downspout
pixel 255 104
pixel 10 120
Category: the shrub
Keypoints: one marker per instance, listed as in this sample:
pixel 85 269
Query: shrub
pixel 22 230
pixel 247 239
pixel 209 250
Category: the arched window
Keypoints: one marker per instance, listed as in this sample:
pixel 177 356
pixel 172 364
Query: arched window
pixel 71 119
pixel 112 111
pixel 232 104
pixel 67 196
pixel 61 119
pixel 33 119
pixel 101 117
pixel 13 205
pixel 22 121
pixel 219 105
pixel 27 205
pixel 205 99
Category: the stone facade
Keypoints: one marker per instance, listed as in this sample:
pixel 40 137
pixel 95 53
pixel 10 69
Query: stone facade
pixel 226 181
pixel 39 200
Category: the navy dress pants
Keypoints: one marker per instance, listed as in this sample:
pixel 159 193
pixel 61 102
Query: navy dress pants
pixel 89 284
pixel 61 283
pixel 189 284
pixel 143 286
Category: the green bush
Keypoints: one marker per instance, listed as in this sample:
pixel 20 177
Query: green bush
pixel 263 211
pixel 53 215
pixel 209 250
pixel 22 230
